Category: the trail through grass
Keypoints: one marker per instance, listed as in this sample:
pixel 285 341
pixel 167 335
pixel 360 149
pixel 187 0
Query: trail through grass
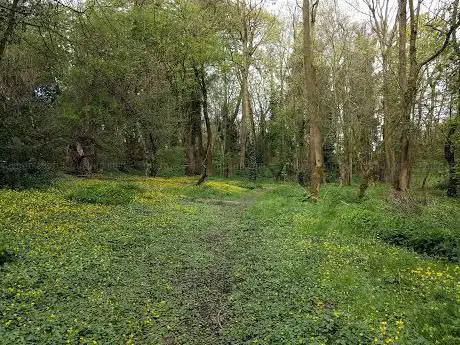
pixel 172 263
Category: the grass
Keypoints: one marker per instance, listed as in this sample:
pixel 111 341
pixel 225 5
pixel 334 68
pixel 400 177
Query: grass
pixel 158 261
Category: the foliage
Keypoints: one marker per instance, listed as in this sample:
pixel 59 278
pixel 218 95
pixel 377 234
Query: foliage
pixel 30 174
pixel 430 229
pixel 171 161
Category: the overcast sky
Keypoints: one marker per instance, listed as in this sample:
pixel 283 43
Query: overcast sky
pixel 352 8
pixel 284 7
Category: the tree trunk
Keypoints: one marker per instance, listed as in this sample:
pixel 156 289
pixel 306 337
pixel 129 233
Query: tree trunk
pixel 312 98
pixel 151 153
pixel 81 156
pixel 449 154
pixel 388 125
pixel 10 24
pixel 200 76
pixel 246 114
pixel 193 134
pixel 364 183
pixel 302 173
pixel 408 88
pixel 449 150
pixel 230 131
pixel 347 173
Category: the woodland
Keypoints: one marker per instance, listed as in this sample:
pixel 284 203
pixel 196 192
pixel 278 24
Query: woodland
pixel 309 92
pixel 229 172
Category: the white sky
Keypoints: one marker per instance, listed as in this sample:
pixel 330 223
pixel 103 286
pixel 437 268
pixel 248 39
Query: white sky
pixel 284 7
pixel 352 8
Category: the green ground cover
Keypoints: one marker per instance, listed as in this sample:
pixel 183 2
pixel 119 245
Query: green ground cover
pixel 161 261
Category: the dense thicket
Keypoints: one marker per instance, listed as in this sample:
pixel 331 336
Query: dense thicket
pixel 202 87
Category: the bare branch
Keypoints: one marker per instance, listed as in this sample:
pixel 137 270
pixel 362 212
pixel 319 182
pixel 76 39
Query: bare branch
pixel 443 47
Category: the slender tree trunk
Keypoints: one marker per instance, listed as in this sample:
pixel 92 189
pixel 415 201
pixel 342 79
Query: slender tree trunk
pixel 401 181
pixel 364 183
pixel 366 156
pixel 193 134
pixel 302 173
pixel 312 98
pixel 388 126
pixel 348 158
pixel 151 153
pixel 246 114
pixel 209 137
pixel 449 154
pixel 230 132
pixel 200 76
pixel 408 87
pixel 226 131
pixel 449 150
pixel 10 24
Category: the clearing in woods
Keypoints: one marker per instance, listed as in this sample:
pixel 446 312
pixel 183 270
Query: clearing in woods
pixel 161 261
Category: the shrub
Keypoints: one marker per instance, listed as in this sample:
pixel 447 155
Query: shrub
pixel 171 161
pixel 31 174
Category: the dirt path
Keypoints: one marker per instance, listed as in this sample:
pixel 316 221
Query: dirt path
pixel 208 286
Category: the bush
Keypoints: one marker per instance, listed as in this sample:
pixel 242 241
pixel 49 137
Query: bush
pixel 440 243
pixel 31 174
pixel 171 161
pixel 429 228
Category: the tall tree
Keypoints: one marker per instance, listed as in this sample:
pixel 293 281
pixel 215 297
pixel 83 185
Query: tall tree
pixel 454 121
pixel 384 25
pixel 250 28
pixel 312 97
pixel 408 73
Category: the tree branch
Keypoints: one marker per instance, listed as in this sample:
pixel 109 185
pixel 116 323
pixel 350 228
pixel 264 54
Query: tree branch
pixel 443 47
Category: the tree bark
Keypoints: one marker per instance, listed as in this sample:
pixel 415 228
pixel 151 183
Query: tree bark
pixel 11 22
pixel 302 173
pixel 449 149
pixel 408 88
pixel 200 76
pixel 388 125
pixel 402 178
pixel 449 154
pixel 246 113
pixel 193 134
pixel 312 98
pixel 246 119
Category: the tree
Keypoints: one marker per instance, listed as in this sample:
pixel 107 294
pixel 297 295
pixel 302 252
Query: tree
pixel 312 97
pixel 381 14
pixel 454 121
pixel 408 79
pixel 250 29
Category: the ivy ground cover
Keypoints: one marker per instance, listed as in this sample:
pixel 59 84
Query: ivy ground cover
pixel 161 261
